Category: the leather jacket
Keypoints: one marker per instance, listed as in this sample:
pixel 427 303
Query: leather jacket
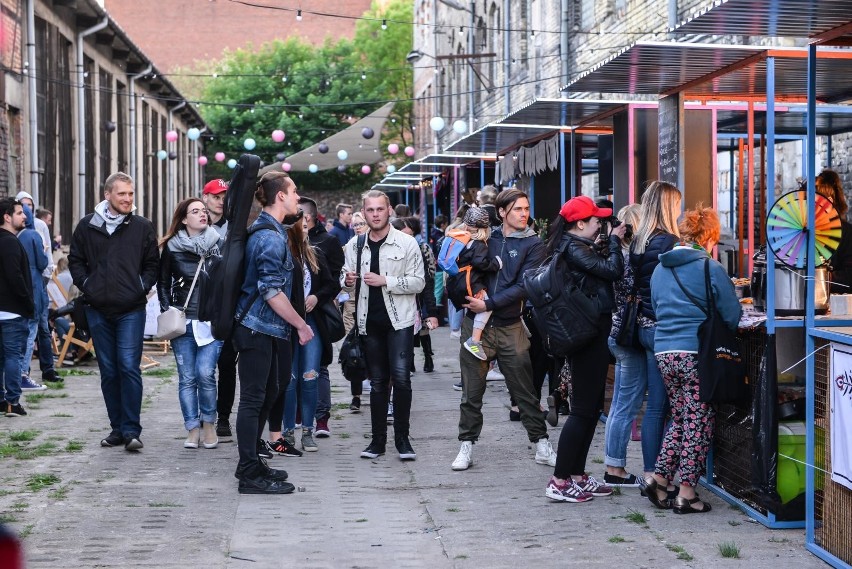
pixel 593 271
pixel 177 270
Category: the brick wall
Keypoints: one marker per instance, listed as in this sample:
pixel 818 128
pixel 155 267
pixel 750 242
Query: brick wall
pixel 179 32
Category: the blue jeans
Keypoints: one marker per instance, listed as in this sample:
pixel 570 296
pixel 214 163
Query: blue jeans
pixel 631 379
pixel 196 378
pixel 305 375
pixel 13 343
pixel 38 330
pixel 657 408
pixel 118 345
pixel 455 316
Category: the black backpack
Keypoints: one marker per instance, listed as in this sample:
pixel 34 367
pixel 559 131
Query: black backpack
pixel 566 318
pixel 224 276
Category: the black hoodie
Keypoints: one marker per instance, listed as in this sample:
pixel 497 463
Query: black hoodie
pixel 16 285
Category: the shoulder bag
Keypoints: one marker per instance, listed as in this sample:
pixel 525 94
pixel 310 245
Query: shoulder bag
pixel 172 322
pixel 351 358
pixel 721 372
pixel 628 334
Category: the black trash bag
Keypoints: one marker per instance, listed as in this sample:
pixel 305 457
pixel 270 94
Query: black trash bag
pixel 764 455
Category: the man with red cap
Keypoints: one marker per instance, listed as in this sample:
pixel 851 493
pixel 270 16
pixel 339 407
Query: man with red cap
pixel 213 197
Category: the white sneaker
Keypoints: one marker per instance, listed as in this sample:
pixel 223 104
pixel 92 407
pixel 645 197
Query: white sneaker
pixel 544 453
pixel 464 460
pixel 366 388
pixel 455 334
pixel 494 374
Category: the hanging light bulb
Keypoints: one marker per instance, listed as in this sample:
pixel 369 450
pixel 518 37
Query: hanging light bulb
pixel 363 75
pixel 299 15
pixel 384 24
pixel 284 79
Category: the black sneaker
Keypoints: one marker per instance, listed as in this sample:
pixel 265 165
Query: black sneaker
pixel 374 450
pixel 223 429
pixel 278 475
pixel 355 406
pixel 282 447
pixel 133 443
pixel 263 450
pixel 264 485
pixel 51 375
pixel 629 481
pixel 15 410
pixel 403 447
pixel 113 440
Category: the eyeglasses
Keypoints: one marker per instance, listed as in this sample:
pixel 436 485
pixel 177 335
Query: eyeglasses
pixel 359 224
pixel 197 211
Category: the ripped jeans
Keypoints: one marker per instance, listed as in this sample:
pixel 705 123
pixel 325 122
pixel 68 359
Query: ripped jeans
pixel 196 378
pixel 303 381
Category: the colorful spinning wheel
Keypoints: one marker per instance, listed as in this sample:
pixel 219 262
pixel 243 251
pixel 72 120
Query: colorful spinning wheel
pixel 787 231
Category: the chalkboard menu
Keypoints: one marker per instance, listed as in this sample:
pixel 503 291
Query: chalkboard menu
pixel 669 139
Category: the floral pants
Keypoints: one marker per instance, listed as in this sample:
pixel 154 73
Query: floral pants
pixel 687 440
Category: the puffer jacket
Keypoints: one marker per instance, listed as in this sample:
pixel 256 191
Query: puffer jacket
pixel 593 272
pixel 644 265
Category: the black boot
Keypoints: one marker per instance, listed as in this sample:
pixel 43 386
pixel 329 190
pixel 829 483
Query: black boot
pixel 428 364
pixel 378 420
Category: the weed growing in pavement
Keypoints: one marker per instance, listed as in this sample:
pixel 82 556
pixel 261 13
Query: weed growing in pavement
pixel 453 510
pixel 735 523
pixel 616 539
pixel 681 552
pixel 341 406
pixel 360 520
pixel 7 519
pixel 67 372
pixel 729 550
pixel 597 460
pixel 343 435
pixel 164 505
pixel 38 482
pixel 25 533
pixel 616 491
pixel 37 397
pixel 6 492
pixel 160 372
pixel 62 415
pixel 133 505
pixel 20 506
pixel 55 384
pixel 460 557
pixel 20 436
pixel 635 517
pixel 29 453
pixel 74 446
pixel 60 493
pixel 779 540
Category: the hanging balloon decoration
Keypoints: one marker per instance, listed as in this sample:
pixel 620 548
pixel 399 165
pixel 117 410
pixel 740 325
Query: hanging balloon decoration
pixel 342 155
pixel 437 123
pixel 202 160
pixel 391 169
pixel 172 136
pixel 313 168
pixel 365 169
pixel 193 134
pixel 162 154
pixel 172 155
pixel 460 126
pixel 367 132
pixel 409 151
pixel 323 148
pixel 232 163
pixel 393 148
pixel 286 166
pixel 341 168
pixel 278 135
pixel 219 156
pixel 249 144
pixel 109 126
pixel 280 156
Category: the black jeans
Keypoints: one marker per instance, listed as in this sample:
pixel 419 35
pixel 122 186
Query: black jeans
pixel 227 380
pixel 264 364
pixel 388 354
pixel 588 371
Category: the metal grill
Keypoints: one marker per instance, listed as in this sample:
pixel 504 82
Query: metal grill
pixel 732 443
pixel 832 502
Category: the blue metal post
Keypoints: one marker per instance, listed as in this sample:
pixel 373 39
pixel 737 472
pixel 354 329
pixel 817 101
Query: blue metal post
pixel 482 173
pixel 809 298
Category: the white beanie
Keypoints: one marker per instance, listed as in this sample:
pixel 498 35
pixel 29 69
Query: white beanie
pixel 22 195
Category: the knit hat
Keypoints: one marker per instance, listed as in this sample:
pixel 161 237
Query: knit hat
pixel 477 217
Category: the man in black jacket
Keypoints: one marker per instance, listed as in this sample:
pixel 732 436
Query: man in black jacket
pixel 16 306
pixel 113 261
pixel 504 337
pixel 330 246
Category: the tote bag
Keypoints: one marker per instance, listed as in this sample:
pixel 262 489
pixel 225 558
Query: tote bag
pixel 721 371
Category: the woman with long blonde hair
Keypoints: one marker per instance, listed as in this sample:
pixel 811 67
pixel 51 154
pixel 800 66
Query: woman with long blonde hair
pixel 657 233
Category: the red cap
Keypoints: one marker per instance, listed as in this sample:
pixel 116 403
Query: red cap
pixel 215 186
pixel 582 207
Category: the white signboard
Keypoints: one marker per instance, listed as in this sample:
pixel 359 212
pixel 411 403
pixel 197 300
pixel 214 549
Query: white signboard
pixel 840 399
pixel 152 310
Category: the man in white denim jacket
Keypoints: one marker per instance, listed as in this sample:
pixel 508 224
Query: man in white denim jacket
pixel 390 275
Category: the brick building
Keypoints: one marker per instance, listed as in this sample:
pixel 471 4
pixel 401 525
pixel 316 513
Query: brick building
pixel 87 113
pixel 180 32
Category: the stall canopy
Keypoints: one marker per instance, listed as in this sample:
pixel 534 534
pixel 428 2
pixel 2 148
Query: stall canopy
pixel 427 166
pixel 824 19
pixel 360 150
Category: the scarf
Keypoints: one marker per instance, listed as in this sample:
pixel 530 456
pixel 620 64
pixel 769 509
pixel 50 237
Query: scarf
pixel 203 244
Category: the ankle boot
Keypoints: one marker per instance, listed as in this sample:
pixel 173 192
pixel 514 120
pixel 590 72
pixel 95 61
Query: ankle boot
pixel 428 364
pixel 208 435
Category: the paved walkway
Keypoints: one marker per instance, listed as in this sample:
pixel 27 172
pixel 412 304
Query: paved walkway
pixel 80 505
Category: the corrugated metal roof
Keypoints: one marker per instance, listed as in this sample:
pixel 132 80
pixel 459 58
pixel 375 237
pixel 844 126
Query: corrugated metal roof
pixel 731 70
pixel 774 18
pixel 829 120
pixel 493 138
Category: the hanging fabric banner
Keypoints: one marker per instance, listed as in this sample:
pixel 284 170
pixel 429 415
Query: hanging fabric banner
pixel 840 393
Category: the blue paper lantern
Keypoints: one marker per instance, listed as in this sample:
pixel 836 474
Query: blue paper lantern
pixel 162 154
pixel 232 163
pixel 313 168
pixel 193 133
pixel 342 155
pixel 249 144
pixel 391 169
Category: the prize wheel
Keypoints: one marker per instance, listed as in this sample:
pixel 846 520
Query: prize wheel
pixel 787 231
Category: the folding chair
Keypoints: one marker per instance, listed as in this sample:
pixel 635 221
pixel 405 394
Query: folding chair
pixel 70 339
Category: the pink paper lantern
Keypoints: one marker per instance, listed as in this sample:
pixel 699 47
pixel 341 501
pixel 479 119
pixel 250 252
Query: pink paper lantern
pixel 220 157
pixel 202 160
pixel 286 166
pixel 365 169
pixel 409 151
pixel 393 148
pixel 172 136
pixel 278 135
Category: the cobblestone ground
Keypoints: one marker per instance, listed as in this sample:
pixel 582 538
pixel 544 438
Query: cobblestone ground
pixel 79 505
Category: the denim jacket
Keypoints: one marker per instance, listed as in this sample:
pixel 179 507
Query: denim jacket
pixel 269 271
